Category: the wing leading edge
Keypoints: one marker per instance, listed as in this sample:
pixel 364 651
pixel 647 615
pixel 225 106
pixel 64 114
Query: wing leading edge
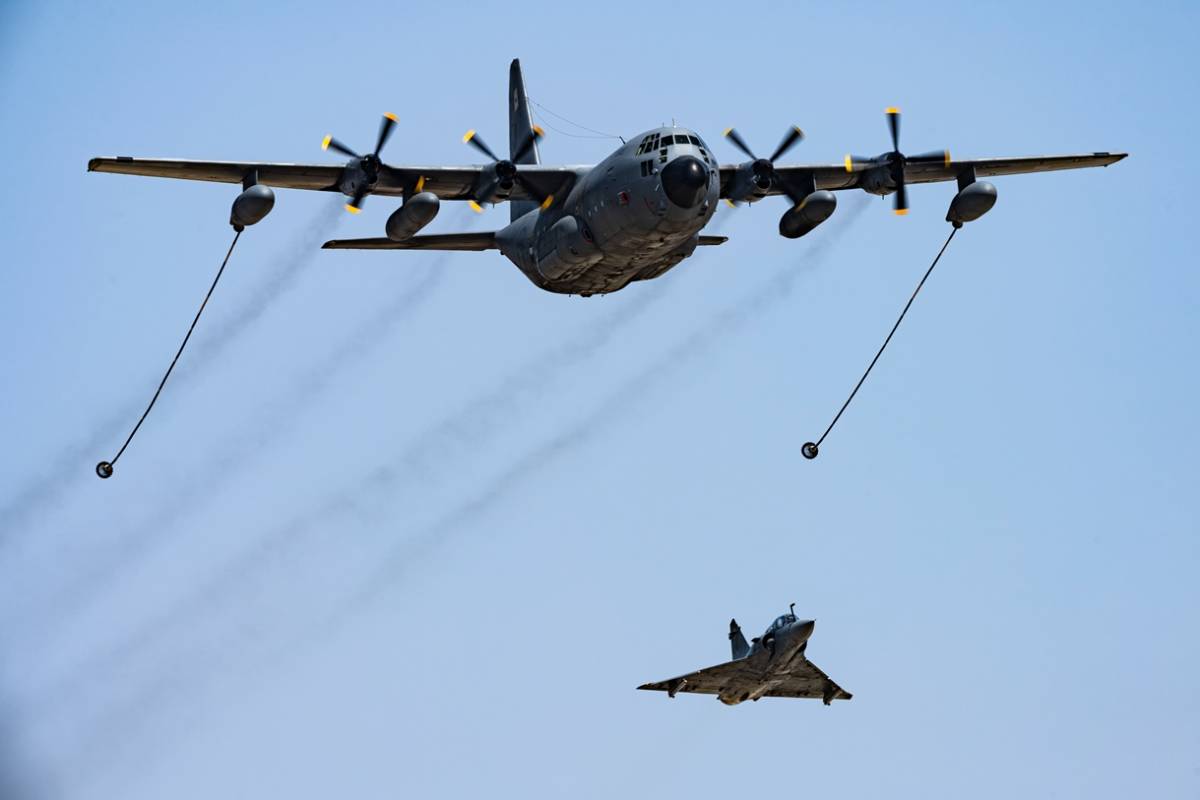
pixel 802 679
pixel 835 176
pixel 448 183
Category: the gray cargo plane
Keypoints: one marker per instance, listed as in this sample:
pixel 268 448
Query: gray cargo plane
pixel 772 665
pixel 594 229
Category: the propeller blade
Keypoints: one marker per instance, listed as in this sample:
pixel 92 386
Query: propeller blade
pixel 785 185
pixel 543 199
pixel 356 203
pixel 733 136
pixel 855 163
pixel 471 138
pixel 901 206
pixel 893 115
pixel 534 136
pixel 330 143
pixel 789 141
pixel 385 130
pixel 478 209
pixel 936 157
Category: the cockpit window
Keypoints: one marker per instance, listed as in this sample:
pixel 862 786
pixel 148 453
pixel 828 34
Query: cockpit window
pixel 694 140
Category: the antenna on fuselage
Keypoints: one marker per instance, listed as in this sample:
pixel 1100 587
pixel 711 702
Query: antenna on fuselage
pixel 792 609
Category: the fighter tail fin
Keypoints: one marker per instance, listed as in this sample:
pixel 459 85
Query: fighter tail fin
pixel 737 641
pixel 520 126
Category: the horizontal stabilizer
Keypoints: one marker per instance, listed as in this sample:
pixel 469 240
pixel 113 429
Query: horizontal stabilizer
pixel 713 240
pixel 437 241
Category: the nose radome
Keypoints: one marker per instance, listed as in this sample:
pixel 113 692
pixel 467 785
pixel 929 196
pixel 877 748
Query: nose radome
pixel 685 181
pixel 805 628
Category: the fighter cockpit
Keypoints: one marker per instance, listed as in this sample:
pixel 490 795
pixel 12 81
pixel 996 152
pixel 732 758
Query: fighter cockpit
pixel 782 621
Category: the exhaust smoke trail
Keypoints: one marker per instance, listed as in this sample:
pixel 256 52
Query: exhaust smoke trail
pixel 75 461
pixel 399 559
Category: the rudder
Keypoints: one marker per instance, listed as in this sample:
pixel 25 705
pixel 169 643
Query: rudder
pixel 737 641
pixel 520 125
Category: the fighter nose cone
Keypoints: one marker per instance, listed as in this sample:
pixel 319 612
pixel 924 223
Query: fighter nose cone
pixel 805 628
pixel 685 181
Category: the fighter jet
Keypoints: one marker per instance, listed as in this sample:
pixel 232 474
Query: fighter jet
pixel 772 665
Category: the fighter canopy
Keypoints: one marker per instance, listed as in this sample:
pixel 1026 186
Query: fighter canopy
pixel 887 170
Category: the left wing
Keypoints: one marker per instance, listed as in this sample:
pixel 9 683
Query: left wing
pixel 448 183
pixel 805 679
pixel 835 176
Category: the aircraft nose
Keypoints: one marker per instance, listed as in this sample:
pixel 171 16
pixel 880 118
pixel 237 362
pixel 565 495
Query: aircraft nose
pixel 685 181
pixel 804 629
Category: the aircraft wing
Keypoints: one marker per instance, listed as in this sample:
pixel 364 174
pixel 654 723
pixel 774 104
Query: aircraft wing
pixel 805 679
pixel 835 176
pixel 448 183
pixel 711 680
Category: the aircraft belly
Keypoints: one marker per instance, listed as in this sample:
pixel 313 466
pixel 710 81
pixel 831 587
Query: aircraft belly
pixel 630 254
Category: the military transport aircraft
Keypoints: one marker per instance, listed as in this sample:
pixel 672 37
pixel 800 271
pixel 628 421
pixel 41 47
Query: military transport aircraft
pixel 594 229
pixel 772 665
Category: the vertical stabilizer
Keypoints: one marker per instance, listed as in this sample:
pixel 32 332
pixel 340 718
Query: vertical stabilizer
pixel 520 125
pixel 737 641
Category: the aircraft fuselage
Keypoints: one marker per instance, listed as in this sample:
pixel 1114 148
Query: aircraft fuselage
pixel 632 217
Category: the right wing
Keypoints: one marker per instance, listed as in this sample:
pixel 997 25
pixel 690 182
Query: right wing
pixel 448 183
pixel 711 680
pixel 805 679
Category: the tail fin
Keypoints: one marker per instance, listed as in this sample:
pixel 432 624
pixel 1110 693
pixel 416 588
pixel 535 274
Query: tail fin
pixel 520 125
pixel 737 641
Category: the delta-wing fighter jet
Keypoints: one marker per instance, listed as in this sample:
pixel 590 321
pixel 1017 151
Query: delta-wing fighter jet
pixel 771 665
pixel 595 229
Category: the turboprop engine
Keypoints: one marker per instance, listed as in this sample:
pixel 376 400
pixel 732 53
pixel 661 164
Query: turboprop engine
pixel 417 212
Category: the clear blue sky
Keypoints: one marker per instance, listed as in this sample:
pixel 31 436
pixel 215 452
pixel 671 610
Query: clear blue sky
pixel 403 525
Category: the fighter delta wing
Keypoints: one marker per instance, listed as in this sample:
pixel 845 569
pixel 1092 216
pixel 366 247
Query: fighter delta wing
pixel 773 665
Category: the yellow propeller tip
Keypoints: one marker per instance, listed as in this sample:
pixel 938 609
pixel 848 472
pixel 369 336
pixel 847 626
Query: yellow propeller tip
pixel 730 203
pixel 390 116
pixel 420 183
pixel 900 212
pixel 478 209
pixel 468 136
pixel 947 158
pixel 325 142
pixel 849 164
pixel 727 131
pixel 892 110
pixel 537 129
pixel 549 201
pixel 352 209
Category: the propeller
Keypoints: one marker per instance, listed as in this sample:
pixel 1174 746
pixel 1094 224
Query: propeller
pixel 508 169
pixel 369 164
pixel 895 161
pixel 764 168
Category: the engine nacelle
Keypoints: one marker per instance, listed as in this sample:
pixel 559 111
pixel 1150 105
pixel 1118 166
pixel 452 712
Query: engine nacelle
pixel 567 248
pixel 811 212
pixel 251 206
pixel 417 212
pixel 972 202
pixel 877 180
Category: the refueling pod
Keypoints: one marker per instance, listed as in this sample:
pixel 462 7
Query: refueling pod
pixel 972 202
pixel 417 212
pixel 254 203
pixel 808 214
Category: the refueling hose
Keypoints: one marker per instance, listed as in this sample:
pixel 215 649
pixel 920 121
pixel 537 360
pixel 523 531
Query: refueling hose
pixel 105 468
pixel 810 449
